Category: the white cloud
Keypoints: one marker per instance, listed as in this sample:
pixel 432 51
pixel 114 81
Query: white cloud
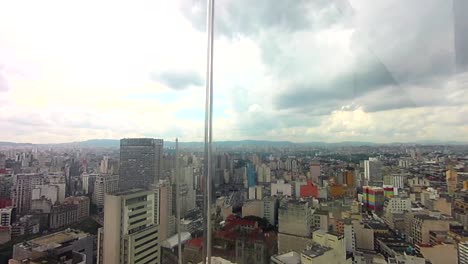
pixel 84 70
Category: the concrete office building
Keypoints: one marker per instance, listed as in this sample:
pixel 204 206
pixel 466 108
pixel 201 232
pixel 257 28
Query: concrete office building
pixel 140 162
pixel 104 183
pixel 294 226
pixel 88 183
pixel 372 170
pixel 397 205
pixel 130 231
pixel 164 210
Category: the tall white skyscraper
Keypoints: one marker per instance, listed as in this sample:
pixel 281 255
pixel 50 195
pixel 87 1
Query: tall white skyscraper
pixel 131 234
pixel 372 171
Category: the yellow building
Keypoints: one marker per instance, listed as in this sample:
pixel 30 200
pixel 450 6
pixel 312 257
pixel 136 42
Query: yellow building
pixel 451 177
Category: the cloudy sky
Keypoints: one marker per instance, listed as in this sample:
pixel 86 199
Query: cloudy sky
pixel 299 70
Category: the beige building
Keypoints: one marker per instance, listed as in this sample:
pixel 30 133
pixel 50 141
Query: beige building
pixel 334 241
pixel 422 224
pixel 69 246
pixel 266 208
pixel 440 254
pixel 130 231
pixel 163 211
pixel 294 226
pixel 83 205
pixel 451 177
pixel 364 236
pixel 317 254
pixel 252 207
pixel 104 183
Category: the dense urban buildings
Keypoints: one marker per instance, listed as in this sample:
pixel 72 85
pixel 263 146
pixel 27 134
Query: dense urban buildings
pixel 386 204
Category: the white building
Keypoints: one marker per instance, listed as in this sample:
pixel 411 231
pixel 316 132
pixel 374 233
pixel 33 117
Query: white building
pixel 418 182
pixel 50 192
pixel 281 188
pixel 103 184
pixel 398 180
pixel 372 169
pixel 350 237
pixel 263 174
pixel 398 205
pixel 88 181
pixel 5 216
pixel 130 231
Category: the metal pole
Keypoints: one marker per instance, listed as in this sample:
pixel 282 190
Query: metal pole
pixel 177 177
pixel 209 127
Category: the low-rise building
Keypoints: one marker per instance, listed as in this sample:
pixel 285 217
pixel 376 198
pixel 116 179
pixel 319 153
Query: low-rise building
pixel 83 205
pixel 69 246
pixel 423 224
pixel 63 215
pixel 7 216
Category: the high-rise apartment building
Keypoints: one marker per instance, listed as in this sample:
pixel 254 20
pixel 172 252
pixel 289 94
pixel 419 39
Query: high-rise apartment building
pixel 164 209
pixel 373 198
pixel 315 172
pixel 22 191
pixel 104 183
pixel 140 162
pixel 130 231
pixel 87 181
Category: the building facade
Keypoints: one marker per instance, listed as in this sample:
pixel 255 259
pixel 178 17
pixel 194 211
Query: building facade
pixel 104 183
pixel 130 231
pixel 140 162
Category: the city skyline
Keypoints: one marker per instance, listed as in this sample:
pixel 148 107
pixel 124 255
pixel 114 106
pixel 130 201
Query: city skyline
pixel 309 71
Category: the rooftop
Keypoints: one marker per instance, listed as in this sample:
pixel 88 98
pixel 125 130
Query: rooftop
pixel 315 250
pixel 54 240
pixel 173 240
pixel 288 258
pixel 127 192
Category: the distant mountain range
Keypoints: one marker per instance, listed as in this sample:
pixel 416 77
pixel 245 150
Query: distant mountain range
pixel 115 143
